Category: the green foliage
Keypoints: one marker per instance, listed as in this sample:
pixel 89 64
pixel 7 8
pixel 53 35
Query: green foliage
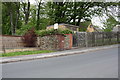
pixel 82 29
pixel 66 31
pixel 53 32
pixel 73 13
pixel 10 19
pixel 24 29
pixel 110 23
pixel 107 30
pixel 5 19
pixel 14 14
pixel 24 53
pixel 44 22
pixel 84 25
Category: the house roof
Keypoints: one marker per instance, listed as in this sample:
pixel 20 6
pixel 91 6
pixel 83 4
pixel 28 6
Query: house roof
pixel 95 28
pixel 68 25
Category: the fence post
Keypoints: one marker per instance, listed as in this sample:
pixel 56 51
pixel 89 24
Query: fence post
pixel 86 39
pixel 118 37
pixel 3 48
pixel 93 39
pixel 103 38
pixel 77 39
pixel 110 37
pixel 95 33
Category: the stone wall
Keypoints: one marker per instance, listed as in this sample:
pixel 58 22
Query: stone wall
pixel 55 42
pixel 50 42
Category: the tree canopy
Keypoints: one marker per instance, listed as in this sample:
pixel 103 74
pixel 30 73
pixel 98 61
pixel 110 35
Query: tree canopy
pixel 18 17
pixel 110 23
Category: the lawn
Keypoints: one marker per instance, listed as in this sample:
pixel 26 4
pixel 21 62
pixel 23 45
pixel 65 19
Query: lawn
pixel 24 53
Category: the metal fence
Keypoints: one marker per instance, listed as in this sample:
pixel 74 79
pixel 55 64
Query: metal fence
pixel 92 39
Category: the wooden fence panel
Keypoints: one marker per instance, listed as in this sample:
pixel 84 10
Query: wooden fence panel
pixel 9 42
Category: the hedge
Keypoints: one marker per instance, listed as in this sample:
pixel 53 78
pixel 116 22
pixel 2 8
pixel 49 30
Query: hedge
pixel 53 32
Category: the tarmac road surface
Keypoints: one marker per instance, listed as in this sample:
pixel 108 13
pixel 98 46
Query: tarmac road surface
pixel 96 64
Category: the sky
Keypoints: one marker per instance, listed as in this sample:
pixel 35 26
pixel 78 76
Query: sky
pixel 96 21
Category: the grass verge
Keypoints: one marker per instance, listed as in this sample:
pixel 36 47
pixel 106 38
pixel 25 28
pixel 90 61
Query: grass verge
pixel 24 53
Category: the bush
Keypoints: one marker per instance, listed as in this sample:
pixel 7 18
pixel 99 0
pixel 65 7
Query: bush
pixel 24 29
pixel 30 38
pixel 66 31
pixel 54 32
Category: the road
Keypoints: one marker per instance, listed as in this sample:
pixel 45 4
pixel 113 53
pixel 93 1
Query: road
pixel 96 64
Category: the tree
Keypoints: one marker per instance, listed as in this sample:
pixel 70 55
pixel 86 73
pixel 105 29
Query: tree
pixel 26 8
pixel 10 17
pixel 84 25
pixel 56 12
pixel 76 12
pixel 110 23
pixel 21 16
pixel 42 17
pixel 38 15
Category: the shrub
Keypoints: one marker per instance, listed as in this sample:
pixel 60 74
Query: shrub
pixel 66 31
pixel 29 38
pixel 54 32
pixel 24 29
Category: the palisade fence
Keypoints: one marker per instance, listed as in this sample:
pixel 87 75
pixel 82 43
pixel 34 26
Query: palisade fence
pixel 92 39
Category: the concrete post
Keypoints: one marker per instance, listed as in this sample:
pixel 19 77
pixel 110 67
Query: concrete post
pixel 86 39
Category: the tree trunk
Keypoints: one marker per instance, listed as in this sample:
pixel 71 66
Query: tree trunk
pixel 11 22
pixel 74 19
pixel 27 13
pixel 78 23
pixel 38 17
pixel 17 16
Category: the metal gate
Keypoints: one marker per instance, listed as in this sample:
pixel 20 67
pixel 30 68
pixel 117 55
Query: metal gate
pixel 79 39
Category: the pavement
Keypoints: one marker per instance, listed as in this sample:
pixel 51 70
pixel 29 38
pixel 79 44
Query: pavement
pixel 53 54
pixel 101 63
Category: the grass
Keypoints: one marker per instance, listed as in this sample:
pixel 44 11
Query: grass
pixel 24 53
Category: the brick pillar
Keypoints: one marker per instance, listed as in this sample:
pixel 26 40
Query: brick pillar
pixel 61 42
